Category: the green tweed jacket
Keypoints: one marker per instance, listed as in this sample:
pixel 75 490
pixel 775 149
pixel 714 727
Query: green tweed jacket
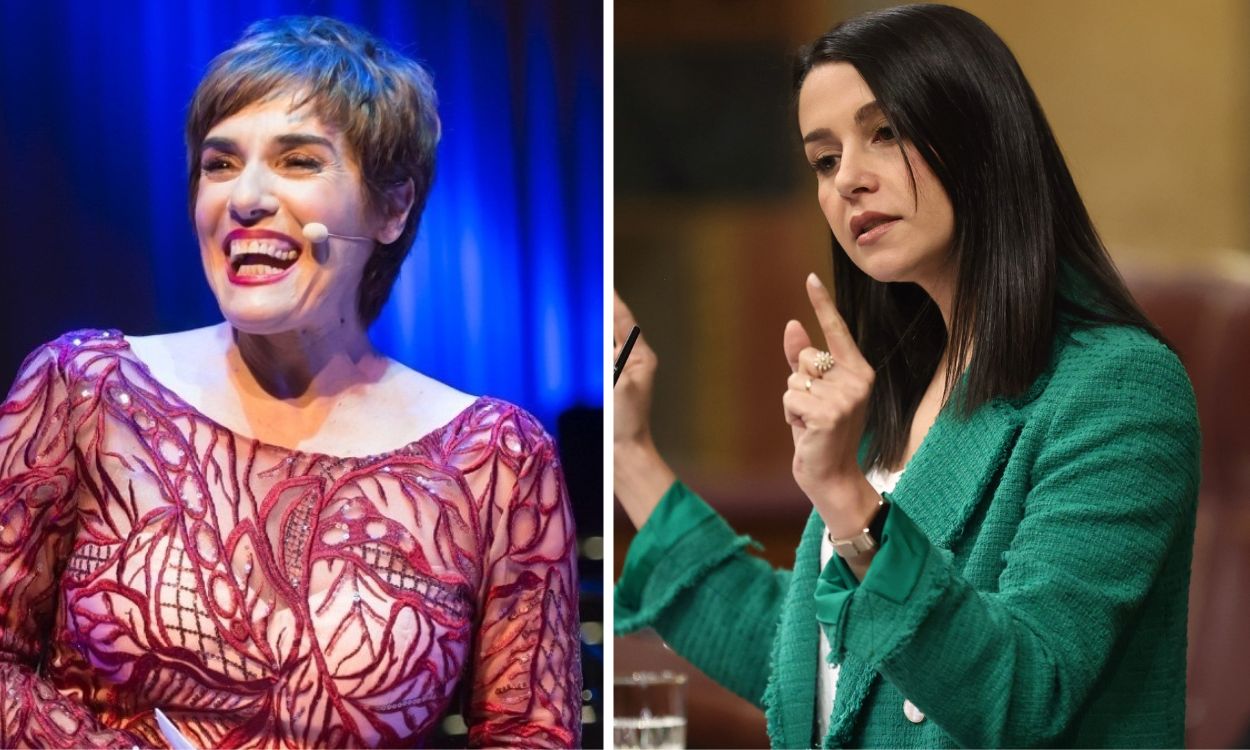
pixel 1031 587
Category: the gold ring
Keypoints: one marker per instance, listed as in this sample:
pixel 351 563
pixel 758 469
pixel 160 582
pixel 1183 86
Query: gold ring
pixel 823 362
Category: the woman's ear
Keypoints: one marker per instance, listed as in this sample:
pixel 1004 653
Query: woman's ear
pixel 395 210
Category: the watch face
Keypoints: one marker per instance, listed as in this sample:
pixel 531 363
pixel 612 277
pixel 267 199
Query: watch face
pixel 865 541
pixel 849 549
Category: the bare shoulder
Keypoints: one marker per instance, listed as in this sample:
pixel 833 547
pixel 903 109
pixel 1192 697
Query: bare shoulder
pixel 491 422
pixel 179 343
pixel 426 402
pixel 179 359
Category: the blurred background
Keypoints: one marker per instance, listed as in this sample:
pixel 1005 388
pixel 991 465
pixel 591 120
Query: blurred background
pixel 502 294
pixel 716 226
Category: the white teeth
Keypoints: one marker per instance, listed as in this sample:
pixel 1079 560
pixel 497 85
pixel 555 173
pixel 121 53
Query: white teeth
pixel 256 270
pixel 262 247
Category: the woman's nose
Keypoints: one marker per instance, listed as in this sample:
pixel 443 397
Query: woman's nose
pixel 855 175
pixel 251 198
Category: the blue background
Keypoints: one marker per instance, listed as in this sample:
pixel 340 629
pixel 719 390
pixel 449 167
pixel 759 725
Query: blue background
pixel 502 294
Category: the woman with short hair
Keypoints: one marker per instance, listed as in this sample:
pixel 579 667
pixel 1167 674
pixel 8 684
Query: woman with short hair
pixel 266 529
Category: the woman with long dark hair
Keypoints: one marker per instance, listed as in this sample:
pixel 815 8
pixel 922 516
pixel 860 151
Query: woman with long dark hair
pixel 1000 450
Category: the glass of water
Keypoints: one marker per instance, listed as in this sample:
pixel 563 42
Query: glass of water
pixel 650 710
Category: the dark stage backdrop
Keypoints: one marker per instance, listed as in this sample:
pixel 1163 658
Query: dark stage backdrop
pixel 502 294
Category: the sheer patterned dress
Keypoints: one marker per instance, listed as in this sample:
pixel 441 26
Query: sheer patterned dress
pixel 261 596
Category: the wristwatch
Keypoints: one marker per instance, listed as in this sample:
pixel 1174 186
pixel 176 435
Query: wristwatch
pixel 865 541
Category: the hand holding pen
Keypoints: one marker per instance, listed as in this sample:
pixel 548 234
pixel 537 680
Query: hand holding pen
pixel 633 375
pixel 623 356
pixel 640 475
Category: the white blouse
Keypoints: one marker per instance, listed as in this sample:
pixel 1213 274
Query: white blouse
pixel 827 681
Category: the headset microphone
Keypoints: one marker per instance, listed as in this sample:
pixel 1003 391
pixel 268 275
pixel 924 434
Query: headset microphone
pixel 316 232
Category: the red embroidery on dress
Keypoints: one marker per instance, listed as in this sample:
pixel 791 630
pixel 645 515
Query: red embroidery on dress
pixel 266 597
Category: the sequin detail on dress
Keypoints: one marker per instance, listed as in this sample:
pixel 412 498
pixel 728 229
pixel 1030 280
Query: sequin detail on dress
pixel 266 597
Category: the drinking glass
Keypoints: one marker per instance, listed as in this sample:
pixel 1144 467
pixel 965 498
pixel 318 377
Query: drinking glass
pixel 650 710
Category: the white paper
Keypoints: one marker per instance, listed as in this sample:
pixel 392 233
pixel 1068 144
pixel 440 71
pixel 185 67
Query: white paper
pixel 176 739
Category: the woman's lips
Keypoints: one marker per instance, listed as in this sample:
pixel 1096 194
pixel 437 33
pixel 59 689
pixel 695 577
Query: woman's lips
pixel 267 256
pixel 872 235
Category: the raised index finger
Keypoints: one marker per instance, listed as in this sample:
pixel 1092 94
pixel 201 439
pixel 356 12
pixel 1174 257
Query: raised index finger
pixel 837 336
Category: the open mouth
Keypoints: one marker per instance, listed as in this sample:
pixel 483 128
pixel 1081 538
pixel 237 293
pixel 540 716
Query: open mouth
pixel 872 224
pixel 258 258
pixel 869 226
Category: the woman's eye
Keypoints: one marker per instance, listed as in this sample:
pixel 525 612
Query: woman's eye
pixel 302 162
pixel 885 133
pixel 214 165
pixel 825 164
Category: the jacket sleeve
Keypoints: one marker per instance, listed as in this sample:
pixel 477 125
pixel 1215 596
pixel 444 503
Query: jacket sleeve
pixel 527 666
pixel 38 478
pixel 1112 499
pixel 688 575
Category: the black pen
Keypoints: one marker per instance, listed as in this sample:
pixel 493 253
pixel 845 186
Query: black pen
pixel 625 350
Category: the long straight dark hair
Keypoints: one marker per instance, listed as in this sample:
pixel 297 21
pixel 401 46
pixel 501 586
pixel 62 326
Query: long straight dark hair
pixel 1029 260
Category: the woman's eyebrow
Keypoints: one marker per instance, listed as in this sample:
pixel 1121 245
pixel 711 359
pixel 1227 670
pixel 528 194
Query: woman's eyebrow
pixel 819 134
pixel 863 115
pixel 871 110
pixel 293 140
pixel 219 144
pixel 286 141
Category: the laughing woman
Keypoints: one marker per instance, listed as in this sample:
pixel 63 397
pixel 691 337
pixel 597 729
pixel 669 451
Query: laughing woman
pixel 1000 452
pixel 267 529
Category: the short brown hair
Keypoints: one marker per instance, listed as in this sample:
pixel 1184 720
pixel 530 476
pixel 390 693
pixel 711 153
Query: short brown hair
pixel 383 102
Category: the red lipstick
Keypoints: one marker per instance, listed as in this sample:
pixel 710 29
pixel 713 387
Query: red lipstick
pixel 241 234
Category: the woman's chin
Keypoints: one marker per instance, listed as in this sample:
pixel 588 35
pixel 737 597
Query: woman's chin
pixel 891 264
pixel 886 274
pixel 888 270
pixel 258 320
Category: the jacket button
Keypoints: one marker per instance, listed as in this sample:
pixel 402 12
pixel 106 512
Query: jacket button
pixel 913 714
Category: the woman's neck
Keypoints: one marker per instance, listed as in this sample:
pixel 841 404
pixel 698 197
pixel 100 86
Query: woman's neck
pixel 302 366
pixel 942 292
